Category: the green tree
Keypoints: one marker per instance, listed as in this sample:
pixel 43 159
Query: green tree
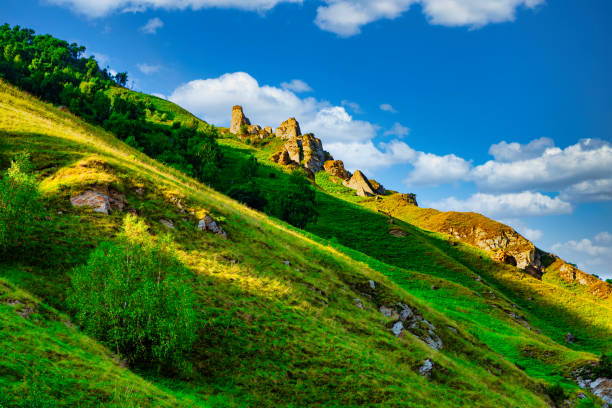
pixel 21 209
pixel 133 296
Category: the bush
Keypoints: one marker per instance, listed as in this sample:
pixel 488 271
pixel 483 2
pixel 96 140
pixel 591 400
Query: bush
pixel 556 392
pixel 297 205
pixel 248 194
pixel 604 368
pixel 132 296
pixel 21 210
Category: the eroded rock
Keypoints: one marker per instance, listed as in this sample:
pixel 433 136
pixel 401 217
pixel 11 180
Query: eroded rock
pixel 426 369
pixel 336 169
pixel 238 120
pixel 208 224
pixel 102 202
pixel 288 129
pixel 360 183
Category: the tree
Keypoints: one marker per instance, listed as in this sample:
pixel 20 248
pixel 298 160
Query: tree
pixel 133 296
pixel 121 78
pixel 248 194
pixel 21 210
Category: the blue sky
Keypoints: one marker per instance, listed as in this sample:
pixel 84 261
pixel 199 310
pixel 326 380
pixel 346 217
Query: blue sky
pixel 498 106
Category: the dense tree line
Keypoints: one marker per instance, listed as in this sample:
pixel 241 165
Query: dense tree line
pixel 57 72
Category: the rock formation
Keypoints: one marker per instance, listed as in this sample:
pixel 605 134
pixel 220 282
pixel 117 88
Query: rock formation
pixel 360 183
pixel 238 120
pixel 288 129
pixel 378 188
pixel 336 169
pixel 304 150
pixel 101 199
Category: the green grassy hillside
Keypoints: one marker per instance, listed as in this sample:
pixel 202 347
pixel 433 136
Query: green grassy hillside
pixel 281 324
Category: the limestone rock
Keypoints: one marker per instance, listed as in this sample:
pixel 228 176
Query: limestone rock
pixel 358 303
pixel 336 169
pixel 312 153
pixel 253 129
pixel 360 183
pixel 238 120
pixel 570 338
pixel 167 224
pixel 426 368
pixel 101 201
pixel 602 387
pixel 208 224
pixel 288 129
pixel 293 146
pixel 282 158
pixel 397 329
pixel 377 187
pixel 268 130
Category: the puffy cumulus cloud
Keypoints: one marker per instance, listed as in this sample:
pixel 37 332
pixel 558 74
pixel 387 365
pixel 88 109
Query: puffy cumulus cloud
pixel 593 255
pixel 430 169
pixel 397 130
pixel 387 108
pixel 100 8
pixel 474 13
pixel 148 69
pixel 353 106
pixel 266 105
pixel 522 204
pixel 346 17
pixel 509 152
pixel 296 85
pixel 369 158
pixel 589 191
pixel 152 26
pixel 553 170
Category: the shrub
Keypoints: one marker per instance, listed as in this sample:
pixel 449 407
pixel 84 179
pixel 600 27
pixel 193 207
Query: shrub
pixel 248 194
pixel 297 205
pixel 132 296
pixel 556 392
pixel 21 210
pixel 604 368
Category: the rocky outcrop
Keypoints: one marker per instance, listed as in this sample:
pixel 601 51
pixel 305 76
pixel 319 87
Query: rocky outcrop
pixel 254 129
pixel 377 187
pixel 336 169
pixel 268 130
pixel 360 183
pixel 572 274
pixel 102 200
pixel 283 158
pixel 210 225
pixel 305 150
pixel 313 153
pixel 288 129
pixel 238 120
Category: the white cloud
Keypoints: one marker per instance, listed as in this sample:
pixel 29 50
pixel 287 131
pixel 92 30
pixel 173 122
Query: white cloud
pixel 509 152
pixel 296 85
pixel 368 157
pixel 148 69
pixel 102 59
pixel 591 255
pixel 397 130
pixel 553 170
pixel 353 106
pixel 101 8
pixel 346 17
pixel 387 108
pixel 152 26
pixel 526 203
pixel 343 17
pixel 431 169
pixel 589 191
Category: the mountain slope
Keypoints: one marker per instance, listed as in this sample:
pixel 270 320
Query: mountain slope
pixel 275 332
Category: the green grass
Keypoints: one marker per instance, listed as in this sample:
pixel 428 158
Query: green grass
pixel 273 334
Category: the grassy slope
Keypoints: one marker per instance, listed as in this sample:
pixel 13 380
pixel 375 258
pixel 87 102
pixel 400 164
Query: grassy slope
pixel 523 319
pixel 273 333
